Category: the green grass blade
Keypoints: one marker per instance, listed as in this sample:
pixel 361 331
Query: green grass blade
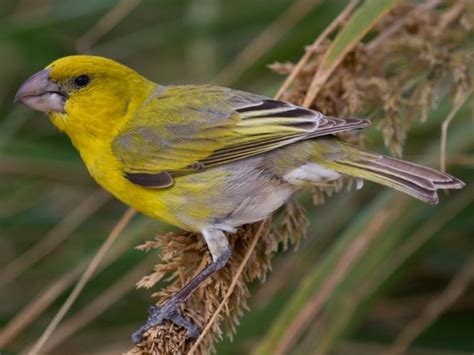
pixel 363 20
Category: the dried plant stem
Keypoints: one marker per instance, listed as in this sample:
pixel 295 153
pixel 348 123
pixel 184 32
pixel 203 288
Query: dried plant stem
pixel 327 66
pixel 267 39
pixel 55 237
pixel 36 8
pixel 42 301
pixel 346 261
pixel 330 221
pixel 99 304
pixel 118 228
pixel 11 124
pixel 434 308
pixel 444 128
pixel 374 280
pixel 231 287
pixel 51 291
pixel 451 15
pixel 64 172
pixel 311 49
pixel 358 347
pixel 21 199
pixel 416 241
pixel 105 24
pixel 462 160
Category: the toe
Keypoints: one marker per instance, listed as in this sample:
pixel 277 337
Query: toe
pixel 137 337
pixel 153 309
pixel 193 331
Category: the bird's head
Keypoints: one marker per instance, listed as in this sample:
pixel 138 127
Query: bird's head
pixel 85 94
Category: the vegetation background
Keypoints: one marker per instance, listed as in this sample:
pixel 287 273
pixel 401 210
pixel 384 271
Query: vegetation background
pixel 411 287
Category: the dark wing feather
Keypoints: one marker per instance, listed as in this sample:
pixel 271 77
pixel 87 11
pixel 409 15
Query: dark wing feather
pixel 289 124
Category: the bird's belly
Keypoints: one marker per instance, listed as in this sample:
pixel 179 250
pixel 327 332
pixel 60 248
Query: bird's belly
pixel 230 196
pixel 257 207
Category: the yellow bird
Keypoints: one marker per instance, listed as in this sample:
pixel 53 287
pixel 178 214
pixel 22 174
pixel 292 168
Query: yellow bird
pixel 204 158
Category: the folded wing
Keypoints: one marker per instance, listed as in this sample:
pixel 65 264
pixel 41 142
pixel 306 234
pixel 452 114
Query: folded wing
pixel 185 129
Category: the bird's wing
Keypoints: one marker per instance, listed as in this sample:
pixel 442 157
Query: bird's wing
pixel 186 129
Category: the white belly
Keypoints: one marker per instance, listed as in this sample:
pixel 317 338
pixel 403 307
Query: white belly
pixel 269 196
pixel 257 207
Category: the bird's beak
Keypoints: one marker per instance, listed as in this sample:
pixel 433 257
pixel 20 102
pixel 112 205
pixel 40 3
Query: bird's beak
pixel 41 93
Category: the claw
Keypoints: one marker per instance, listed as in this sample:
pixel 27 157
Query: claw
pixel 152 310
pixel 221 252
pixel 156 316
pixel 192 330
pixel 137 336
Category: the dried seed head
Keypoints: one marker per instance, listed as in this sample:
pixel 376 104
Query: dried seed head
pixel 182 256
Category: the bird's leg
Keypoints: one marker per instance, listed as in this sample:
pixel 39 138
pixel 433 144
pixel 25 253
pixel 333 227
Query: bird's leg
pixel 220 250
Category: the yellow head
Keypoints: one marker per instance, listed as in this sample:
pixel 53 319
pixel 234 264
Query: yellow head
pixel 86 95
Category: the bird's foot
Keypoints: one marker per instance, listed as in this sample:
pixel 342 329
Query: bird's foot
pixel 169 311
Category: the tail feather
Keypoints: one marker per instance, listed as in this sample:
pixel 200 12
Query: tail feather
pixel 418 181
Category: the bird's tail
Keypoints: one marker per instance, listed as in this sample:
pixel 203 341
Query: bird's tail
pixel 415 180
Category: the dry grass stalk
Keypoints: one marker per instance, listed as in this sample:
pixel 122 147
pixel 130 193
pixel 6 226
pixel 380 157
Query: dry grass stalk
pixel 435 307
pixel 41 302
pixel 265 41
pixel 346 261
pixel 105 24
pixel 295 71
pixel 54 289
pixel 55 237
pixel 419 237
pixel 94 309
pixel 399 312
pixel 27 167
pixel 462 160
pixel 91 268
pixel 444 128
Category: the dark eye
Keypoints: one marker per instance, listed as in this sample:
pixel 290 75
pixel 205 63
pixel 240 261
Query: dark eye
pixel 82 80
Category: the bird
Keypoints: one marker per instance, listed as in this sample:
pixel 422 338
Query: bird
pixel 204 158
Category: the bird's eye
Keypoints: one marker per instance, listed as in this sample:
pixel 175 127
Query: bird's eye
pixel 82 80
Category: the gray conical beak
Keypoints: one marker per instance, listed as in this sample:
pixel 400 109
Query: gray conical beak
pixel 41 93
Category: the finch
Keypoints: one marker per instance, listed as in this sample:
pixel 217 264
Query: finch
pixel 204 158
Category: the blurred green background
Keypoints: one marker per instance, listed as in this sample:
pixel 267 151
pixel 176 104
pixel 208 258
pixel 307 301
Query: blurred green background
pixel 52 211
